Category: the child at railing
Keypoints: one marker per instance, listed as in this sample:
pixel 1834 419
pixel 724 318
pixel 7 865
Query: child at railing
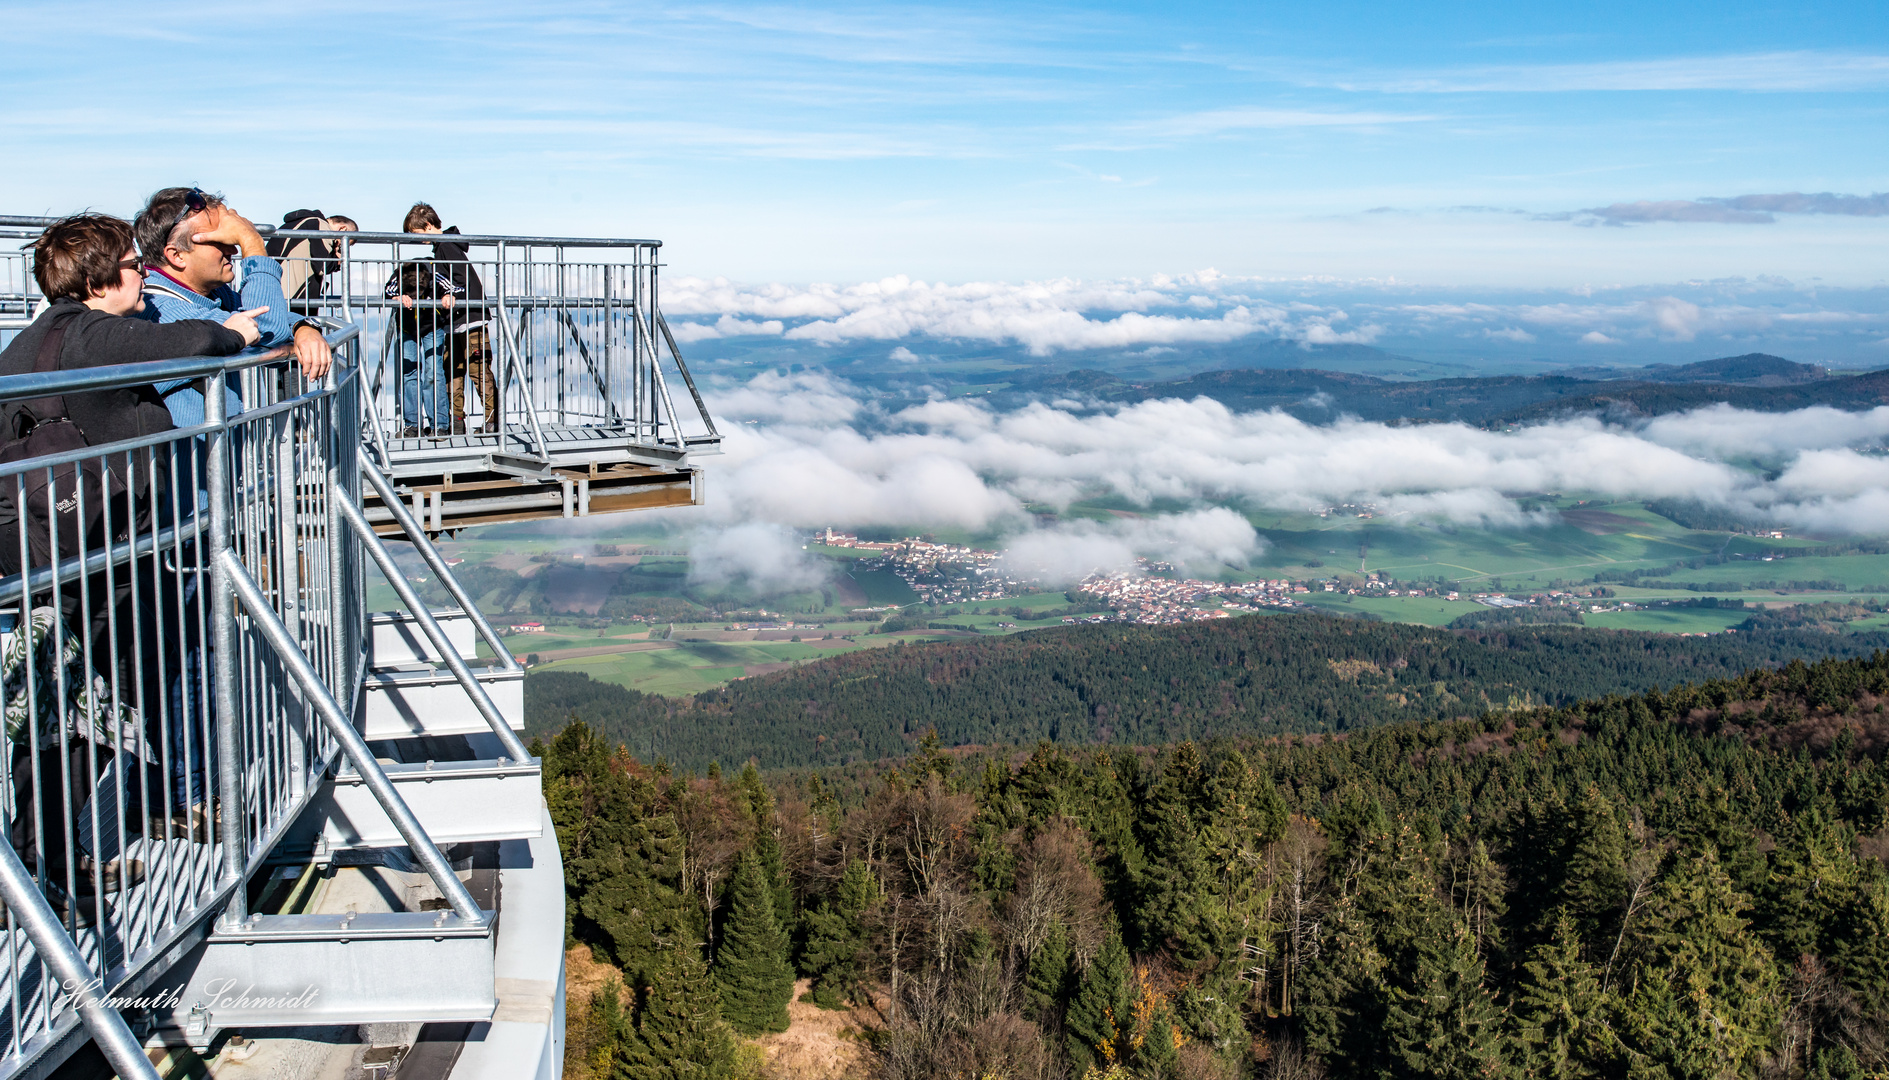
pixel 471 354
pixel 425 399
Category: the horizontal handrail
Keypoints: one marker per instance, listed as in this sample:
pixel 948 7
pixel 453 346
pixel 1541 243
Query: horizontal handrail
pixel 17 221
pixel 115 376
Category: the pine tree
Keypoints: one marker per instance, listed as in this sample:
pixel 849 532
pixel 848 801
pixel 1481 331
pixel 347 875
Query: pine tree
pixel 767 843
pixel 679 1032
pixel 606 1028
pixel 1046 979
pixel 1557 1011
pixel 1179 888
pixel 1099 1015
pixel 751 970
pixel 1812 878
pixel 1706 995
pixel 639 904
pixel 1440 1021
pixel 1861 946
pixel 836 938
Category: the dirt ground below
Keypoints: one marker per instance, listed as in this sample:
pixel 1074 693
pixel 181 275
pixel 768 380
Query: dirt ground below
pixel 819 1044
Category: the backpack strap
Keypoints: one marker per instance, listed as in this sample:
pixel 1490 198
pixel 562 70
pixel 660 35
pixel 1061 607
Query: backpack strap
pixel 48 410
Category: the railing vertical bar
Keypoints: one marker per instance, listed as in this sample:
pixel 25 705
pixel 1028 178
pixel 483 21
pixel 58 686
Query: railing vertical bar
pixel 224 652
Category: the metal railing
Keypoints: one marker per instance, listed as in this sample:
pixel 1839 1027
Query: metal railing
pixel 182 625
pixel 551 343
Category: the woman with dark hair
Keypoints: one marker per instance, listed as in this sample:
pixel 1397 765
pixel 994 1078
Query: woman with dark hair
pixel 87 267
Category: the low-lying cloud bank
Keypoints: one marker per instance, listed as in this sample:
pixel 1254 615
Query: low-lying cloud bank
pixel 1208 308
pixel 1733 210
pixel 823 455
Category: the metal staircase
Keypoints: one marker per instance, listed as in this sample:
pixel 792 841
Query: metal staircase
pixel 238 801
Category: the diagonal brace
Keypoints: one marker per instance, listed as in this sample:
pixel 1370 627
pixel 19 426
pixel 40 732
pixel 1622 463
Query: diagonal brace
pixel 424 616
pixel 435 562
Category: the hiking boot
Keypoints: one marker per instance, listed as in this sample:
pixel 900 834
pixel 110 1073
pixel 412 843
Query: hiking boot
pixel 187 825
pixel 109 880
pixel 411 431
pixel 459 425
pixel 69 912
pixel 491 426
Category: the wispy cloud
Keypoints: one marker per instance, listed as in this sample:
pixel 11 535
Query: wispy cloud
pixel 1804 70
pixel 1207 308
pixel 1218 121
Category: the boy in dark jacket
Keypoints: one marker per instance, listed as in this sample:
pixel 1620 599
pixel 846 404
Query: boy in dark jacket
pixel 471 355
pixel 425 402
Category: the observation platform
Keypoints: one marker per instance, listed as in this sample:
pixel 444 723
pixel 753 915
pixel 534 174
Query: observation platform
pixel 283 835
pixel 552 389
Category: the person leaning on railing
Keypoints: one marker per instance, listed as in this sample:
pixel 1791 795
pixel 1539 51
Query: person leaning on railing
pixel 87 267
pixel 190 240
pixel 308 263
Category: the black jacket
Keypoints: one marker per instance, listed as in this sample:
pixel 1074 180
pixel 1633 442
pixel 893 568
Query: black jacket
pixel 423 279
pixel 97 339
pixel 455 261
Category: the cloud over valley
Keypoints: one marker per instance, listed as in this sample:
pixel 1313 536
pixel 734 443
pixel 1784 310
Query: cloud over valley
pixel 824 453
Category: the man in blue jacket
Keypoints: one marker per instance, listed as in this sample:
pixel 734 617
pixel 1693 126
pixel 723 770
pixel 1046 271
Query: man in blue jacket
pixel 190 240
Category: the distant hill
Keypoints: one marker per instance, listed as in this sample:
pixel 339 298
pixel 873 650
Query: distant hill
pixel 1751 369
pixel 1145 685
pixel 1755 381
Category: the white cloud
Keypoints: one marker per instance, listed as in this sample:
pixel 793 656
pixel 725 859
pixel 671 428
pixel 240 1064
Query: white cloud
pixel 1199 541
pixel 765 556
pixel 960 463
pixel 726 326
pixel 1209 308
pixel 823 457
pixel 902 354
pixel 1510 333
pixel 1775 71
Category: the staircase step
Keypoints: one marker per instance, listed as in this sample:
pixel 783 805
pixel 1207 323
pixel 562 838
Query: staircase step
pixel 396 638
pixel 296 970
pixel 455 802
pixel 427 701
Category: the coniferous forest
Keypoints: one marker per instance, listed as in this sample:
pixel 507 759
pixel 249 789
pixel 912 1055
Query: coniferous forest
pixel 1674 884
pixel 1273 675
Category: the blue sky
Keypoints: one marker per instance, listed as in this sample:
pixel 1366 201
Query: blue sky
pixel 1457 145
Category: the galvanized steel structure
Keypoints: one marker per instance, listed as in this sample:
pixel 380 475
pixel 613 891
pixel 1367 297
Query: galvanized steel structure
pixel 203 717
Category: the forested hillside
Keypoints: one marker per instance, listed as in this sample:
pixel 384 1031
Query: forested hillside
pixel 1150 685
pixel 1678 885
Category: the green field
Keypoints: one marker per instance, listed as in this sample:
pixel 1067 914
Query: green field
pixel 1669 620
pixel 693 666
pixel 883 587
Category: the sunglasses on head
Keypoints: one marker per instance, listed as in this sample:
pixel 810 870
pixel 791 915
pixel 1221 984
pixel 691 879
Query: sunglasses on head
pixel 196 201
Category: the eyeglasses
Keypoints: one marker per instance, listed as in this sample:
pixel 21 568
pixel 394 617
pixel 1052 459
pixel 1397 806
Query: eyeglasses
pixel 196 201
pixel 134 264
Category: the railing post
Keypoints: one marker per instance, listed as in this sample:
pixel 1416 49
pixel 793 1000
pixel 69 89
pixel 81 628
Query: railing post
pixel 229 775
